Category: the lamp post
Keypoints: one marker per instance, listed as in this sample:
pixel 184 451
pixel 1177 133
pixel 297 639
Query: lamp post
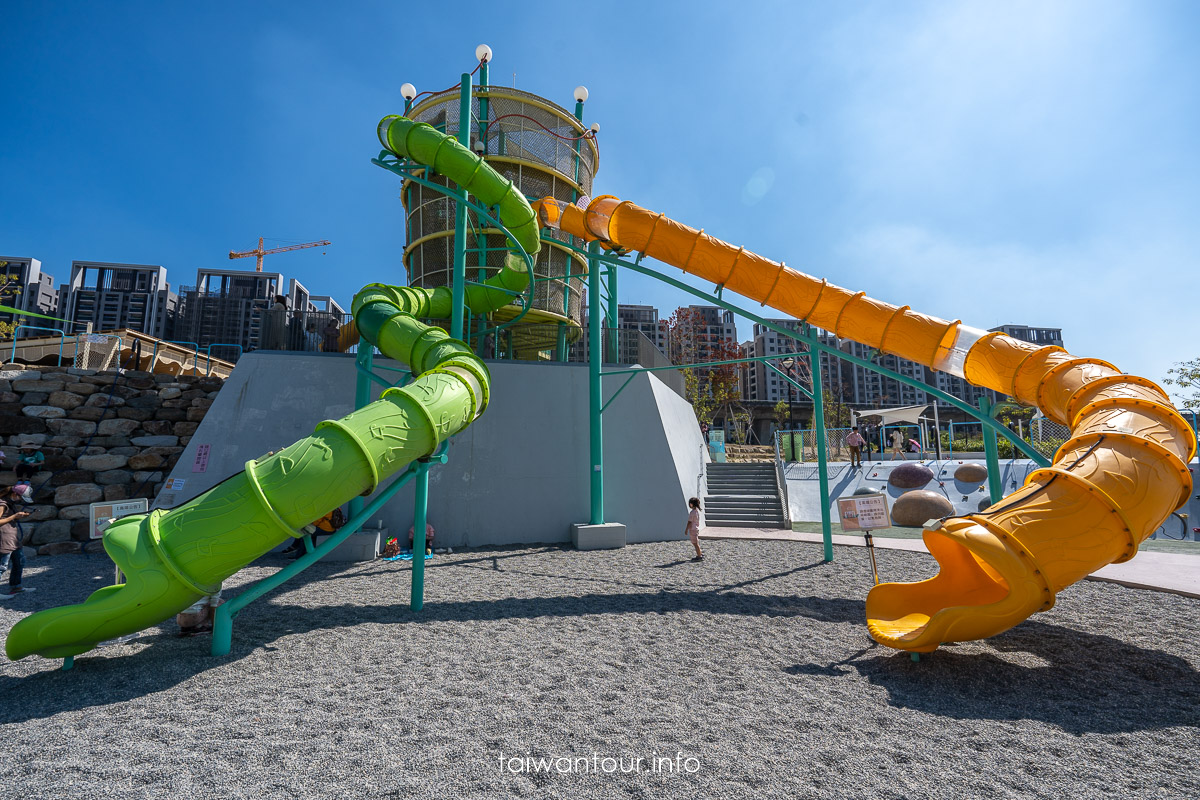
pixel 788 363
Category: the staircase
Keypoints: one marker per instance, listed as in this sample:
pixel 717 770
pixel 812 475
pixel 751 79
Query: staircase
pixel 742 496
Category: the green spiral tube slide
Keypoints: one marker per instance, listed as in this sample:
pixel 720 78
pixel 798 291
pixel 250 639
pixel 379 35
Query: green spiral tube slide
pixel 171 559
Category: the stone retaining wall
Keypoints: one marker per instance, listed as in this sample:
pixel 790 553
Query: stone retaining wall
pixel 105 435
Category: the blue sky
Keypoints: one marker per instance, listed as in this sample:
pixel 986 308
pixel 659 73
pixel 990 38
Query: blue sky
pixel 1022 162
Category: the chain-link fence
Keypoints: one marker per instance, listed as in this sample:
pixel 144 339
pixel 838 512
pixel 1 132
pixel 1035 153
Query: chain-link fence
pixel 298 331
pixel 97 351
pixel 520 127
pixel 535 144
pixel 801 445
pixel 1047 436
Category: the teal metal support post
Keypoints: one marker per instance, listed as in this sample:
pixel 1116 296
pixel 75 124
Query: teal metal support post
pixel 595 363
pixel 563 352
pixel 458 284
pixel 362 394
pixel 612 314
pixel 991 452
pixel 560 343
pixel 420 516
pixel 222 639
pixel 814 357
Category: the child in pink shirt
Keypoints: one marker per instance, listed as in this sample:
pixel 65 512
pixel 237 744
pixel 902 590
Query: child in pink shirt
pixel 693 527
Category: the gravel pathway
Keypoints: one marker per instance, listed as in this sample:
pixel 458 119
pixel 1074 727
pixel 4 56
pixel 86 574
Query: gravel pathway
pixel 750 675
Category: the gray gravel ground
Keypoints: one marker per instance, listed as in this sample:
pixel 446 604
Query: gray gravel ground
pixel 755 663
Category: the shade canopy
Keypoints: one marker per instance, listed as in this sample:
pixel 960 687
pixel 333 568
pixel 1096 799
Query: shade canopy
pixel 889 415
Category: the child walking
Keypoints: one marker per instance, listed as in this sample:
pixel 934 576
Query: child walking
pixel 693 527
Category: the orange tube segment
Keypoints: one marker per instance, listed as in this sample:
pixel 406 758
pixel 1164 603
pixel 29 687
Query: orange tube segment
pixel 1116 480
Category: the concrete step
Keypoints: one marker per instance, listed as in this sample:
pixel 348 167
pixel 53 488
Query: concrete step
pixel 768 487
pixel 742 469
pixel 733 511
pixel 768 478
pixel 741 523
pixel 764 486
pixel 739 503
pixel 742 510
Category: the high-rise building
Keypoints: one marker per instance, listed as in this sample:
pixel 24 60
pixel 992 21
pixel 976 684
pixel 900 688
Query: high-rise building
pixel 701 331
pixel 29 288
pixel 327 304
pixel 1038 336
pixel 112 296
pixel 763 384
pixel 226 307
pixel 865 388
pixel 644 320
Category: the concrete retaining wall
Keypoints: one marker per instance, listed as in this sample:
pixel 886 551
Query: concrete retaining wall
pixel 519 474
pixel 805 503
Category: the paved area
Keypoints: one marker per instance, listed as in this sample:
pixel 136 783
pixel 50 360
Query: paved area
pixel 1178 573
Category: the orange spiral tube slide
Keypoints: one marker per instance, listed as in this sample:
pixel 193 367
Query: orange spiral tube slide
pixel 1121 474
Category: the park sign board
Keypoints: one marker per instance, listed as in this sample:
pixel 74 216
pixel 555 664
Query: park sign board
pixel 864 513
pixel 716 446
pixel 99 512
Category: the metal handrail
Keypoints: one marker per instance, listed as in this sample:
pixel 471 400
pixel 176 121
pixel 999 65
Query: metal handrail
pixel 208 352
pixel 195 353
pixel 62 338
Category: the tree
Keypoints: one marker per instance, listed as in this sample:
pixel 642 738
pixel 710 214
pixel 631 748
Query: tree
pixel 779 412
pixel 683 348
pixel 1186 376
pixel 9 290
pixel 1015 417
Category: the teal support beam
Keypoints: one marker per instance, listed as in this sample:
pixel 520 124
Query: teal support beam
pixel 458 282
pixel 222 640
pixel 788 378
pixel 612 314
pixel 595 362
pixel 362 394
pixel 991 452
pixel 564 352
pixel 484 104
pixel 614 395
pixel 420 518
pixel 814 355
pixel 949 399
pixel 560 344
pixel 484 110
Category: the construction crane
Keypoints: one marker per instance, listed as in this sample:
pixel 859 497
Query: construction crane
pixel 259 253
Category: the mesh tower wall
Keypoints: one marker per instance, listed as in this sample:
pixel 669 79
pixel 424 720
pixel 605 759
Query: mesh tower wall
pixel 541 164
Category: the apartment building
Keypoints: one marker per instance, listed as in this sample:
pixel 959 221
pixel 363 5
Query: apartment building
pixel 36 288
pixel 761 383
pixel 113 295
pixel 632 319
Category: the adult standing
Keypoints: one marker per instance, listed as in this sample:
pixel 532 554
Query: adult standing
pixel 331 336
pixel 855 441
pixel 898 445
pixel 277 324
pixel 11 555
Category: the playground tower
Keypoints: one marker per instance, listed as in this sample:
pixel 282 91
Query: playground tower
pixel 546 151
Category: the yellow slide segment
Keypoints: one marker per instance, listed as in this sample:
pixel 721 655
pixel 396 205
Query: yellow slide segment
pixel 1116 480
